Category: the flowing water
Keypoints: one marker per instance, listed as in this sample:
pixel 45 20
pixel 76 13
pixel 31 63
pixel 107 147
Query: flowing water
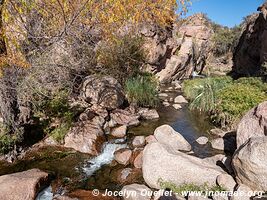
pixel 74 170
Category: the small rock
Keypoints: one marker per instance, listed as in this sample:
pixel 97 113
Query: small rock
pixel 217 132
pixel 178 86
pixel 163 95
pixel 177 106
pixel 226 181
pixel 148 114
pixel 171 99
pixel 218 143
pixel 180 99
pixel 119 132
pixel 123 156
pixel 136 192
pixel 166 104
pixel 202 140
pixel 138 161
pixel 139 141
pixel 167 195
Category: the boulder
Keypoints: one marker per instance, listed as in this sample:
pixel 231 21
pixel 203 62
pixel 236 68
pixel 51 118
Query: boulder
pixel 119 132
pixel 226 181
pixel 180 99
pixel 165 134
pixel 217 132
pixel 139 141
pixel 103 91
pixel 202 140
pixel 163 164
pixel 86 136
pixel 148 114
pixel 253 124
pixel 123 156
pixel 23 185
pixel 124 117
pixel 250 164
pixel 136 192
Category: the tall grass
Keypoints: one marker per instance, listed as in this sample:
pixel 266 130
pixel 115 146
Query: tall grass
pixel 142 90
pixel 224 99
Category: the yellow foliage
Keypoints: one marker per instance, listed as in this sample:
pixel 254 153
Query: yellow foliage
pixel 61 15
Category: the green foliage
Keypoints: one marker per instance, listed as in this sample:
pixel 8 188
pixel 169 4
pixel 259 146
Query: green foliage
pixel 58 114
pixel 225 39
pixel 236 99
pixel 203 92
pixel 7 140
pixel 186 187
pixel 121 58
pixel 142 90
pixel 223 99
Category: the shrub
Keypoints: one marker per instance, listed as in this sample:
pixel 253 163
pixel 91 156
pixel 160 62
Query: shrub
pixel 121 58
pixel 142 90
pixel 223 99
pixel 236 99
pixel 7 140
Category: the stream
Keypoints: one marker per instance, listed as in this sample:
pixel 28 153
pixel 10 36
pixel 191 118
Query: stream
pixel 72 170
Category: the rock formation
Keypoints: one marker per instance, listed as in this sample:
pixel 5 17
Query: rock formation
pixel 250 55
pixel 174 55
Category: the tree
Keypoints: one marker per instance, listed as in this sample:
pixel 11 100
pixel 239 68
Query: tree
pixel 28 25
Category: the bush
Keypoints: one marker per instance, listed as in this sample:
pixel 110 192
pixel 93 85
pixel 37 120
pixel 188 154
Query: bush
pixel 236 99
pixel 121 58
pixel 7 140
pixel 223 99
pixel 142 90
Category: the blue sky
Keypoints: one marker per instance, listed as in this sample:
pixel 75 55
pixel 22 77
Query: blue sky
pixel 225 12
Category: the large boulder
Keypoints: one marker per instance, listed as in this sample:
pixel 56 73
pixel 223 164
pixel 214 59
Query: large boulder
pixel 250 163
pixel 253 124
pixel 165 134
pixel 163 164
pixel 104 91
pixel 23 185
pixel 251 53
pixel 86 136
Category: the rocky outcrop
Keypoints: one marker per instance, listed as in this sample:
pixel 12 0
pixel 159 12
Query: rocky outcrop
pixel 253 124
pixel 86 136
pixel 23 185
pixel 102 91
pixel 175 54
pixel 250 163
pixel 163 164
pixel 251 53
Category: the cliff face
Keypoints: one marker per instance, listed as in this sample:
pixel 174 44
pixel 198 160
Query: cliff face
pixel 251 53
pixel 177 53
